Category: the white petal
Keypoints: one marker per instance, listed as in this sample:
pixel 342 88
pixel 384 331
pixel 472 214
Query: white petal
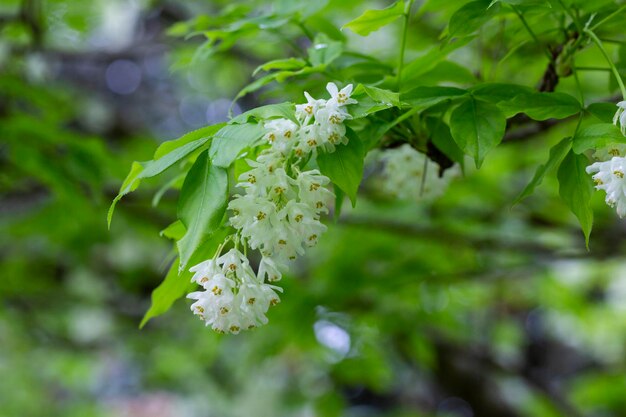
pixel 332 89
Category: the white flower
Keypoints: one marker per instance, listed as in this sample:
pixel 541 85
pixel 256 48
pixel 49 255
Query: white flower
pixel 281 134
pixel 410 175
pixel 256 218
pixel 234 263
pixel 269 270
pixel 331 115
pixel 610 151
pixel 287 244
pixel 340 97
pixel 255 300
pixel 304 112
pixel 204 271
pixel 609 176
pixel 312 190
pixel 620 116
pixel 303 219
pixel 271 160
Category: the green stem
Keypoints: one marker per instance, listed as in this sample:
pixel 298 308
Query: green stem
pixel 405 29
pixel 592 69
pixel 571 15
pixel 578 85
pixel 597 41
pixel 607 40
pixel 609 17
pixel 528 29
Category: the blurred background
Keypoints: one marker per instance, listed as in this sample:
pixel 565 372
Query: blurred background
pixel 461 307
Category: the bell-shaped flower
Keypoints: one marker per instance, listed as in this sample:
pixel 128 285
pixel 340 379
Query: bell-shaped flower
pixel 620 116
pixel 340 97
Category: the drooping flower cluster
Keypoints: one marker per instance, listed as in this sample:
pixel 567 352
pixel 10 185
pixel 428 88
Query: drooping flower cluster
pixel 278 214
pixel 411 175
pixel 234 297
pixel 609 176
pixel 608 173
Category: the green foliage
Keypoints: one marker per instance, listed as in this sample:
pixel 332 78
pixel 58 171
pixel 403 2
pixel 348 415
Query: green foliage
pixel 557 153
pixel 165 156
pixel 477 126
pixel 231 140
pixel 597 136
pixel 201 205
pixel 282 110
pixel 177 282
pixel 575 188
pixel 344 167
pixel 372 20
pixel 470 17
pixel 541 106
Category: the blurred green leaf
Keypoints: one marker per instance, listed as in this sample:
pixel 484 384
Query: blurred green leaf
pixel 271 111
pixel 471 16
pixel 541 106
pixel 372 20
pixel 324 50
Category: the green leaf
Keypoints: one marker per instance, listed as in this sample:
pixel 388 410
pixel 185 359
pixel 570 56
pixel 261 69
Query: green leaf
pixel 231 140
pixel 174 231
pixel 541 106
pixel 281 110
pixel 172 288
pixel 371 100
pixel 442 138
pixel 141 170
pixel 576 189
pixel 470 17
pixel 477 126
pixel 201 205
pixel 557 153
pixel 174 183
pixel 344 167
pixel 603 111
pixel 596 136
pixel 202 133
pixel 372 20
pixel 497 92
pixel 176 284
pixel 324 50
pixel 425 97
pixel 289 64
pixel 414 70
pixel 255 85
pixel 448 71
pixel 381 95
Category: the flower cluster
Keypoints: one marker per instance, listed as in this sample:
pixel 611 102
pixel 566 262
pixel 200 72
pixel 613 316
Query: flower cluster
pixel 411 175
pixel 608 173
pixel 278 214
pixel 225 309
pixel 609 176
